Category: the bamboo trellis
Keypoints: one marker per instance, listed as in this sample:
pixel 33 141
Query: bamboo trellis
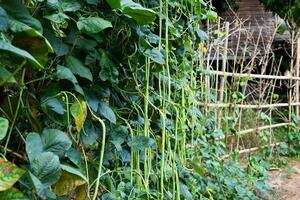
pixel 261 75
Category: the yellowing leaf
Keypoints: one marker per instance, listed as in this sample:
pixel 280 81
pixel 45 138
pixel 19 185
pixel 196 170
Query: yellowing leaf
pixel 9 174
pixel 67 183
pixel 81 192
pixel 79 112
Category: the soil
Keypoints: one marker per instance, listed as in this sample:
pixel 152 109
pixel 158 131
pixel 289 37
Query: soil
pixel 286 182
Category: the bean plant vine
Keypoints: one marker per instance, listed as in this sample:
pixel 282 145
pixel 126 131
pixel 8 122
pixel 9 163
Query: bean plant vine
pixel 106 106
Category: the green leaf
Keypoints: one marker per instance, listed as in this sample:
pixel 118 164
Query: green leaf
pixel 155 55
pixel 79 112
pixel 140 14
pixel 60 48
pixel 134 10
pixel 184 191
pixel 31 40
pixel 43 190
pixel 119 136
pixel 34 145
pixel 70 5
pixel 107 112
pixel 91 133
pixel 93 25
pixel 3 127
pixel 46 168
pixel 139 143
pixel 77 67
pixel 211 15
pixel 4 20
pixel 55 109
pixel 55 141
pixel 6 47
pixel 9 174
pixel 74 171
pixel 12 194
pixel 6 76
pixel 54 4
pixel 114 3
pixel 18 11
pixel 93 2
pixel 67 183
pixel 64 73
pixel 109 70
pixel 58 18
pixel 55 105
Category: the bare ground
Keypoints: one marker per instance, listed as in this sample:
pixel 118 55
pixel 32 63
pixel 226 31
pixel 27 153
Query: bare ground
pixel 286 182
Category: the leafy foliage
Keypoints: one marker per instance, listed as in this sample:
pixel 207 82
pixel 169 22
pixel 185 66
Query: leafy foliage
pixel 9 174
pixel 288 10
pixel 103 99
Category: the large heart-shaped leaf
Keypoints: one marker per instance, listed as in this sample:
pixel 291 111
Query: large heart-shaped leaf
pixel 134 10
pixel 51 140
pixel 93 25
pixel 70 5
pixel 46 167
pixel 18 11
pixel 107 112
pixel 77 67
pixel 55 141
pixel 140 14
pixel 3 127
pixel 79 112
pixel 9 174
pixel 31 40
pixel 34 145
pixel 6 47
pixel 66 74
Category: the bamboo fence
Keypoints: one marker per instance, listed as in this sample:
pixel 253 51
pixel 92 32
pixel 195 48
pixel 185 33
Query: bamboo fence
pixel 255 65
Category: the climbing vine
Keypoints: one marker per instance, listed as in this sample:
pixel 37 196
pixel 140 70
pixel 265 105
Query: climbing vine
pixel 99 100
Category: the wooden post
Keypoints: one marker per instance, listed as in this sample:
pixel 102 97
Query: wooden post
pixel 297 75
pixel 223 79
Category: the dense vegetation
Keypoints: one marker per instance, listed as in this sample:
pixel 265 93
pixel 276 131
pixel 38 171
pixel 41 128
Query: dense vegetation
pixel 99 100
pixel 289 10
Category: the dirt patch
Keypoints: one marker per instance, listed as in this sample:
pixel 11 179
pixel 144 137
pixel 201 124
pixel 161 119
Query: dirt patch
pixel 286 182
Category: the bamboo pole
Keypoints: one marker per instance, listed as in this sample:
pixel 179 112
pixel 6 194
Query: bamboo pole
pixel 297 75
pixel 290 81
pixel 251 130
pixel 241 75
pixel 259 106
pixel 252 149
pixel 223 79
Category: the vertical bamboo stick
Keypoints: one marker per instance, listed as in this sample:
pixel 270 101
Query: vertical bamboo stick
pixel 223 79
pixel 217 76
pixel 291 74
pixel 297 74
